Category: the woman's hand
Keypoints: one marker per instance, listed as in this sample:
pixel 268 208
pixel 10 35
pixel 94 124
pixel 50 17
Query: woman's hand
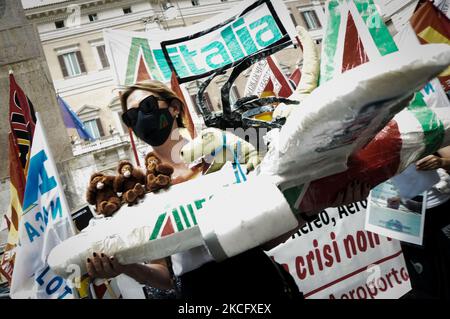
pixel 429 162
pixel 103 266
pixel 155 274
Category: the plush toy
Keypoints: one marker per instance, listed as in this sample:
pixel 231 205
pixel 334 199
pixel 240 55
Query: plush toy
pixel 158 173
pixel 101 194
pixel 130 182
pixel 223 146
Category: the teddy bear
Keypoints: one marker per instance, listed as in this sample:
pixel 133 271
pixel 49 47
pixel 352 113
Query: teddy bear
pixel 101 193
pixel 130 182
pixel 158 173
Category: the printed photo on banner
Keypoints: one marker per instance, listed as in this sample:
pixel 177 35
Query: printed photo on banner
pixel 391 214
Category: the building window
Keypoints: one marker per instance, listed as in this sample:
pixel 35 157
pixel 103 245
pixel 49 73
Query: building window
pixel 59 24
pixel 71 64
pixel 126 10
pixel 102 56
pixel 311 20
pixel 195 2
pixel 94 127
pixel 167 5
pixel 93 17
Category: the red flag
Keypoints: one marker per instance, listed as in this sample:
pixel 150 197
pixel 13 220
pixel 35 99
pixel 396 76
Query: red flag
pixel 295 77
pixel 432 26
pixel 268 90
pixel 285 87
pixel 187 119
pixel 22 123
pixel 354 52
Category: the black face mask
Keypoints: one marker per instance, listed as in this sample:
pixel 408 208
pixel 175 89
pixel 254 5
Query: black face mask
pixel 151 124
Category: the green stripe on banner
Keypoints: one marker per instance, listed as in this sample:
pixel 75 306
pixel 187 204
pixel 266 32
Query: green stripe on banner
pixel 191 212
pixel 330 44
pixel 158 225
pixel 177 218
pixel 433 129
pixel 183 212
pixel 292 194
pixel 138 44
pixel 378 30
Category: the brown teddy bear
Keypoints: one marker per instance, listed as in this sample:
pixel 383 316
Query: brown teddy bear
pixel 158 174
pixel 101 193
pixel 130 182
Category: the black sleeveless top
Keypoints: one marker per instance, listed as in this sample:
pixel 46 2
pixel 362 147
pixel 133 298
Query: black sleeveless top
pixel 251 275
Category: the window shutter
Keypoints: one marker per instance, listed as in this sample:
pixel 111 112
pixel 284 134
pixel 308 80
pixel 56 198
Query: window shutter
pixel 100 127
pixel 102 55
pixel 81 62
pixel 63 66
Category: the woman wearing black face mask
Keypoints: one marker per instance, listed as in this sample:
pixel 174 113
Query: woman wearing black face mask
pixel 155 114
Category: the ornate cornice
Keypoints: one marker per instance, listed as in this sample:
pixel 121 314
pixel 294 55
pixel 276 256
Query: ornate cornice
pixel 53 12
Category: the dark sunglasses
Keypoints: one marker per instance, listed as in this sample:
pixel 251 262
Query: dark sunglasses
pixel 146 106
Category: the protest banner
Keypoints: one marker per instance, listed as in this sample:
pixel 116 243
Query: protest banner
pixel 197 51
pixel 335 257
pixel 258 79
pixel 45 223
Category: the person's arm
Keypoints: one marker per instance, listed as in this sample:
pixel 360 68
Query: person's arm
pixel 431 162
pixel 155 274
pixel 354 192
pixel 445 155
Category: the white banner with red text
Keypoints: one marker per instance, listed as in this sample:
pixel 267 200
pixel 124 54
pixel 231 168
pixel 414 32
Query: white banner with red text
pixel 335 257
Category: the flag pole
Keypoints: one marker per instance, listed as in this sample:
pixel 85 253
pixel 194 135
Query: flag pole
pixel 133 146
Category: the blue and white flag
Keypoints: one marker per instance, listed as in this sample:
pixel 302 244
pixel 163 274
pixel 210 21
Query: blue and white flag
pixel 71 120
pixel 45 223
